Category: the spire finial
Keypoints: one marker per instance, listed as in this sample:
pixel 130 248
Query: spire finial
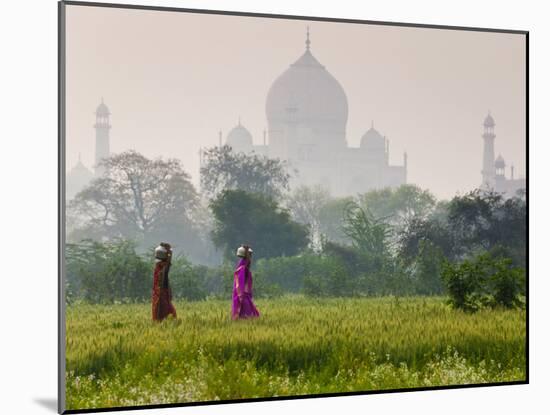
pixel 372 124
pixel 308 42
pixel 79 156
pixel 102 100
pixel 239 120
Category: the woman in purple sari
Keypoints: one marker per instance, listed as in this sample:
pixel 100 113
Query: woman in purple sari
pixel 243 306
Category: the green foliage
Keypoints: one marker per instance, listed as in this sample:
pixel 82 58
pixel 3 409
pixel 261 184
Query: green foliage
pixel 427 269
pixel 507 283
pixel 186 280
pixel 333 280
pixel 400 205
pixel 483 220
pixel 464 284
pixel 117 357
pixel 140 199
pixel 113 272
pixel 105 272
pixel 306 204
pixel 223 169
pixel 242 217
pixel 476 222
pixel 331 219
pixel 368 234
pixel 289 272
pixel 484 281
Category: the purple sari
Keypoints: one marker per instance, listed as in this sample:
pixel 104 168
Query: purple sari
pixel 243 306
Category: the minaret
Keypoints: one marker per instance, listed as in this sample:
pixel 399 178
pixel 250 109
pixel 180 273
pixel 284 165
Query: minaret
pixel 102 127
pixel 500 179
pixel 488 172
pixel 405 165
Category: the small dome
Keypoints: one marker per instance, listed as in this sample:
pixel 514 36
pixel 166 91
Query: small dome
pixel 239 138
pixel 373 140
pixel 77 178
pixel 102 109
pixel 499 162
pixel 489 121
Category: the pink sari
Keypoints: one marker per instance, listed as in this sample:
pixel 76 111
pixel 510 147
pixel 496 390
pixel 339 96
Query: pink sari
pixel 243 306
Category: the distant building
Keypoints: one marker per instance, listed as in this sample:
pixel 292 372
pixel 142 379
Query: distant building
pixel 102 127
pixel 493 173
pixel 80 176
pixel 307 113
pixel 77 178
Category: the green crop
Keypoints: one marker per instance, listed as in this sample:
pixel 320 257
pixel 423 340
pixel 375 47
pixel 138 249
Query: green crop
pixel 116 356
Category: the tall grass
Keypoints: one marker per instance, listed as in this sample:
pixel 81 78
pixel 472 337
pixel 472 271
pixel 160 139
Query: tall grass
pixel 116 356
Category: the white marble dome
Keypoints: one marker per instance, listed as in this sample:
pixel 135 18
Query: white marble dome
pixel 307 92
pixel 239 138
pixel 372 140
pixel 77 178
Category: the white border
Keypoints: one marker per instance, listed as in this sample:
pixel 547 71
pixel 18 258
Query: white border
pixel 28 98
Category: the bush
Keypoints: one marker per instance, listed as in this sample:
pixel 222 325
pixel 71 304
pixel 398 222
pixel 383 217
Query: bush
pixel 187 281
pixel 484 281
pixel 107 272
pixel 113 272
pixel 288 272
pixel 507 284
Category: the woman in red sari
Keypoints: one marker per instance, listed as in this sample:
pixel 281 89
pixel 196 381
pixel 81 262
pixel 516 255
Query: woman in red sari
pixel 243 306
pixel 162 294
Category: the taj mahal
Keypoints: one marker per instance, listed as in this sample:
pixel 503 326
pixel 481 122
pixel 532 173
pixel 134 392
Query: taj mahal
pixel 307 113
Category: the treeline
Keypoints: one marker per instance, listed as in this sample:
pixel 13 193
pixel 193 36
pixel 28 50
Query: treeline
pixel 398 241
pixel 458 249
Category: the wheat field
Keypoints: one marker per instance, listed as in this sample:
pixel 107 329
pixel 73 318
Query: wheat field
pixel 116 356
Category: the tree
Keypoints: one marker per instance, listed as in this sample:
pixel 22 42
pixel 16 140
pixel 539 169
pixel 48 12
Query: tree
pixel 484 280
pixel 484 220
pixel 368 234
pixel 242 217
pixel 223 169
pixel 433 229
pixel 305 204
pixel 427 269
pixel 400 205
pixel 136 198
pixel 331 220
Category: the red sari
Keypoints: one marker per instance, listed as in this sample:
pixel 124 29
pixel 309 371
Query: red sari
pixel 162 294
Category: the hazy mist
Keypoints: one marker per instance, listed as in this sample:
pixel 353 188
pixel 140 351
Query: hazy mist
pixel 173 80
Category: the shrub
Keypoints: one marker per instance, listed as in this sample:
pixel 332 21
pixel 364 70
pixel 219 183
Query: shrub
pixel 107 272
pixel 288 272
pixel 484 281
pixel 187 281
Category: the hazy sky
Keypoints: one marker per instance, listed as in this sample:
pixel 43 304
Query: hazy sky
pixel 173 80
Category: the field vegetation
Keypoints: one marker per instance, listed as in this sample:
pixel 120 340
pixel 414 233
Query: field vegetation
pixel 387 289
pixel 116 356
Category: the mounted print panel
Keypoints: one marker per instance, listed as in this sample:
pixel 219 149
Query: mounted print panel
pixel 265 207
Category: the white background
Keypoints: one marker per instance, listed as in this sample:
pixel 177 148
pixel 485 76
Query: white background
pixel 28 162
